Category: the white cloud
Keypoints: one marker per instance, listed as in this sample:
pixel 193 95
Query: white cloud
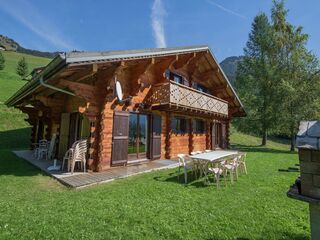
pixel 157 15
pixel 226 9
pixel 37 23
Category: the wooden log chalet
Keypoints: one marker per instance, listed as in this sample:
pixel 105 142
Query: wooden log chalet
pixel 176 100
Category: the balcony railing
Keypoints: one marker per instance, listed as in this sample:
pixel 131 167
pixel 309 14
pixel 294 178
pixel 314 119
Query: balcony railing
pixel 172 93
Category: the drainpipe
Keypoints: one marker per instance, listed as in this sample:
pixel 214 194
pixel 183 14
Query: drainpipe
pixel 55 88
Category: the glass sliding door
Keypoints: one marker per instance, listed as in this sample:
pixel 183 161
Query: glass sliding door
pixel 133 136
pixel 138 136
pixel 143 136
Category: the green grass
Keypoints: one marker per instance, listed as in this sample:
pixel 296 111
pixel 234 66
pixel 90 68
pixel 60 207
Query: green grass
pixel 10 82
pixel 155 205
pixel 149 206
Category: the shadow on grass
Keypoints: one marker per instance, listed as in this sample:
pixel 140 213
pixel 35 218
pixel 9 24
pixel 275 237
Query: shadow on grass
pixel 258 148
pixel 192 180
pixel 15 166
pixel 15 139
pixel 9 162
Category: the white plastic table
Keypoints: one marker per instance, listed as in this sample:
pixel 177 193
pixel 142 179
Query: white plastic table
pixel 210 157
pixel 214 155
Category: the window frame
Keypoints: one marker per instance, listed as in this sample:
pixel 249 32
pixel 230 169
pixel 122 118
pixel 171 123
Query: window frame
pixel 171 75
pixel 179 125
pixel 198 128
pixel 200 87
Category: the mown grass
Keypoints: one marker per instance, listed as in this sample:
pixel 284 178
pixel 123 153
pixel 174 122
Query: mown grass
pixel 149 206
pixel 155 205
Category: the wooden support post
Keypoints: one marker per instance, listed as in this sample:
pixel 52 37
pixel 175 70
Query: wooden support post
pixel 168 136
pixel 208 139
pixel 33 135
pixel 228 133
pixel 93 160
pixel 191 145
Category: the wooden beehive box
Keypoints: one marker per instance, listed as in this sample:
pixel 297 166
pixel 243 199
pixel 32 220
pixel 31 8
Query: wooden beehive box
pixel 308 143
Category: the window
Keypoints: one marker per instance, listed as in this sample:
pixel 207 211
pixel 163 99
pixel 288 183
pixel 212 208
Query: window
pixel 175 77
pixel 179 125
pixel 198 126
pixel 199 87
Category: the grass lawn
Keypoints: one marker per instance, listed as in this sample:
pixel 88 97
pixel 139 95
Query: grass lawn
pixel 154 205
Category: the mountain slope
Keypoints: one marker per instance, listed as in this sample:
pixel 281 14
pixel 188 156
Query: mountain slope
pixel 229 66
pixel 10 45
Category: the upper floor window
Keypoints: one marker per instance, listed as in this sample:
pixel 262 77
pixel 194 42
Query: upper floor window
pixel 198 126
pixel 199 87
pixel 175 77
pixel 179 125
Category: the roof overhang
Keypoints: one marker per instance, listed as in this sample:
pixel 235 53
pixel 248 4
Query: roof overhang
pixel 84 58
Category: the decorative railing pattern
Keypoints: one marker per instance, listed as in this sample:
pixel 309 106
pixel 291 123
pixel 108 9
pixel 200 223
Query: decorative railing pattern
pixel 175 93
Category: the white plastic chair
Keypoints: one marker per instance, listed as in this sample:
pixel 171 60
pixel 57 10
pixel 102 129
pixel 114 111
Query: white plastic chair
pixel 242 163
pixel 218 171
pixel 79 155
pixel 68 157
pixel 231 167
pixel 196 164
pixel 42 150
pixel 184 161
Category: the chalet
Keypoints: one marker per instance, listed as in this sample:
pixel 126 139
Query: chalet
pixel 133 105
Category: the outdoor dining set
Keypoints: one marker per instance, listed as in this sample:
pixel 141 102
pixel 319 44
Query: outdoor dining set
pixel 75 155
pixel 216 164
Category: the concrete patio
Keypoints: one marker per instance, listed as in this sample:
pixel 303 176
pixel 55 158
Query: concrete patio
pixel 81 179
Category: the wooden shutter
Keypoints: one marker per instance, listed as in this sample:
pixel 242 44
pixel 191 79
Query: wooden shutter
pixel 74 128
pixel 156 137
pixel 64 134
pixel 85 128
pixel 223 135
pixel 213 136
pixel 120 137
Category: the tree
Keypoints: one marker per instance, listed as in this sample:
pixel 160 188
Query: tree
pixel 278 79
pixel 22 68
pixel 2 61
pixel 256 79
pixel 298 74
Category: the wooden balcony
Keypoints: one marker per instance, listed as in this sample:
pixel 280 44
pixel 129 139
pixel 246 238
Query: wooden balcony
pixel 176 95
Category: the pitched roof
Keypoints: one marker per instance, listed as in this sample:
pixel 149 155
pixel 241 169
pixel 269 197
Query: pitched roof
pixel 80 57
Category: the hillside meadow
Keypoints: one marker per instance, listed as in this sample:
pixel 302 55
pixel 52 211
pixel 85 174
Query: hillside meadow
pixel 10 82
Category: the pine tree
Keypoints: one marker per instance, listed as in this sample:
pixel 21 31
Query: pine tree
pixel 256 80
pixel 298 74
pixel 22 68
pixel 279 78
pixel 2 61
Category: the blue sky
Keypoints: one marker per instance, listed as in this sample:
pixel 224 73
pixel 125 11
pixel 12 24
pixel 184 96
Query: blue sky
pixel 99 25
